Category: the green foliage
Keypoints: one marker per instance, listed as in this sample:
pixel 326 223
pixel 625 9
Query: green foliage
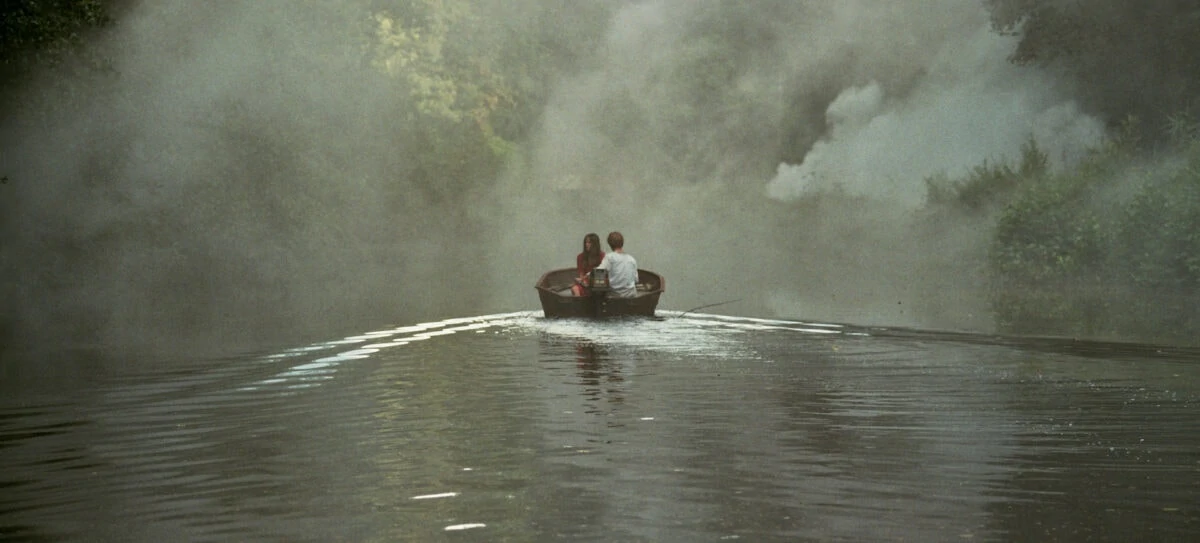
pixel 455 88
pixel 1045 258
pixel 476 75
pixel 51 38
pixel 1067 260
pixel 1128 58
pixel 427 47
pixel 1158 256
pixel 989 183
pixel 36 32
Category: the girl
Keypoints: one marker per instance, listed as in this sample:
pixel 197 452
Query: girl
pixel 586 261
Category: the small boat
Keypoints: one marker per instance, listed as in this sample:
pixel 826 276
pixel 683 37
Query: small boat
pixel 554 290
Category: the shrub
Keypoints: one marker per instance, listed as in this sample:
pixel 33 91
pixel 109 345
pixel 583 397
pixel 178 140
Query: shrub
pixel 1045 259
pixel 1158 255
pixel 988 183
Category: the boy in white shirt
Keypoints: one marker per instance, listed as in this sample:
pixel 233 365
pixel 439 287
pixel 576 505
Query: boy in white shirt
pixel 622 268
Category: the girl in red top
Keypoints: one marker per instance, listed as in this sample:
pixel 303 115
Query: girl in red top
pixel 586 261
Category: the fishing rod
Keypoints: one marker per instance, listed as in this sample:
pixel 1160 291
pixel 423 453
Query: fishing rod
pixel 706 306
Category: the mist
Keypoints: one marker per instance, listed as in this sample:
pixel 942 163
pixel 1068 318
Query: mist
pixel 235 176
pixel 240 176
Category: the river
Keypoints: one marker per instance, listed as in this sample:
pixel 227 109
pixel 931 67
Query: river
pixel 689 427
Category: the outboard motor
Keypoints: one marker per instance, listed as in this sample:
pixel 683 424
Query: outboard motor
pixel 598 281
pixel 598 289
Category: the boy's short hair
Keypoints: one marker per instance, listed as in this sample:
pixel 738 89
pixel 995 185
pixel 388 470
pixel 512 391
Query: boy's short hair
pixel 616 240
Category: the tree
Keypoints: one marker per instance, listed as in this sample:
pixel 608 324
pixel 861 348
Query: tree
pixel 1127 58
pixel 38 32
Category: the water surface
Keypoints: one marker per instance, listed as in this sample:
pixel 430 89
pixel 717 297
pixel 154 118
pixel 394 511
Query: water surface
pixel 687 428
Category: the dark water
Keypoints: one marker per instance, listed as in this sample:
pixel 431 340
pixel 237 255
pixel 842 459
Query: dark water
pixel 691 428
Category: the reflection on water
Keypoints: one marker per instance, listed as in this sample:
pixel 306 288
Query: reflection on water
pixel 689 427
pixel 600 379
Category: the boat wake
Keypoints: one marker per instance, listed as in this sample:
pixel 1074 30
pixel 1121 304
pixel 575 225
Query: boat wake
pixel 672 331
pixel 675 333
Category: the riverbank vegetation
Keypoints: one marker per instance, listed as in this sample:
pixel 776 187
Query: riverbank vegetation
pixel 1109 247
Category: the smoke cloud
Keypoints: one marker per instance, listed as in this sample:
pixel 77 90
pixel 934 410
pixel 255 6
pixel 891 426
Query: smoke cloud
pixel 967 108
pixel 242 176
pixel 775 153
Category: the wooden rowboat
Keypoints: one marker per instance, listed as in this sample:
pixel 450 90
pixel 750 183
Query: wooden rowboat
pixel 554 291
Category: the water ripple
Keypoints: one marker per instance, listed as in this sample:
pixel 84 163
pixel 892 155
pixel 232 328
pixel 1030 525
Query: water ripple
pixel 688 427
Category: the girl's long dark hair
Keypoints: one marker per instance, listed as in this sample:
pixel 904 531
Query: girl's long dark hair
pixel 593 256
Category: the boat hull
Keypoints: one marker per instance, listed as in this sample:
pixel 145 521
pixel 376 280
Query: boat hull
pixel 554 292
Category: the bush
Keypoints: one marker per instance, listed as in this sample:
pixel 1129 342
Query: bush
pixel 1046 258
pixel 988 183
pixel 1158 255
